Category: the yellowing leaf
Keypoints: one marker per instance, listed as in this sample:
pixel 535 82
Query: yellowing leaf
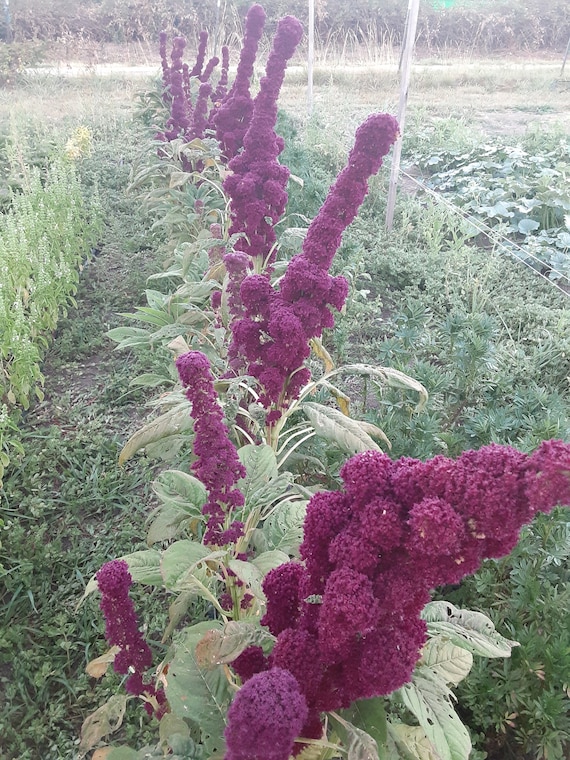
pixel 99 666
pixel 105 720
pixel 321 353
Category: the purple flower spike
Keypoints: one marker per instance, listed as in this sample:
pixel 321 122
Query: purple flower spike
pixel 217 464
pixel 257 184
pixel 210 66
pixel 265 717
pixel 233 117
pixel 200 115
pixel 121 629
pixel 197 68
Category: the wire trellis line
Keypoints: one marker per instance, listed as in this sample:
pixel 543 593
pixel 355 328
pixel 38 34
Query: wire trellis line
pixel 493 235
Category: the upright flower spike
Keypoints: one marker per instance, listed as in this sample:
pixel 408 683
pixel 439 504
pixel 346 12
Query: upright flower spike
pixel 121 630
pixel 256 186
pixel 373 551
pixel 210 66
pixel 233 117
pixel 217 464
pixel 200 115
pixel 196 70
pixel 272 334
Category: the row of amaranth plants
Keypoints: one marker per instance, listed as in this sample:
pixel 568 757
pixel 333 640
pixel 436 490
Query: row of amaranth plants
pixel 317 636
pixel 46 233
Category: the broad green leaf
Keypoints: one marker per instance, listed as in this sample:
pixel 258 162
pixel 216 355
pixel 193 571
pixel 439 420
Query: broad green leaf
pixel 184 559
pixel 104 721
pixel 335 426
pixel 170 423
pixel 179 489
pixel 470 630
pixel 172 724
pixel 168 523
pixel 127 337
pixel 176 612
pixel 358 743
pixel 443 659
pixel 144 567
pixel 283 529
pixel 269 560
pixel 223 646
pixel 249 574
pixel 369 715
pixel 149 380
pixel 193 693
pixel 527 225
pixel 430 701
pixel 261 466
pixel 120 753
pixel 414 741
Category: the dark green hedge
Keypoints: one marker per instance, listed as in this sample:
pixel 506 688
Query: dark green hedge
pixel 482 25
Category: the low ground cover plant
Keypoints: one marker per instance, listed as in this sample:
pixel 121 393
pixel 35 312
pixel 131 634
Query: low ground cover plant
pixel 319 638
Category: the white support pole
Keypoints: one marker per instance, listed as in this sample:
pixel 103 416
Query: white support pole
pixel 311 56
pixel 405 74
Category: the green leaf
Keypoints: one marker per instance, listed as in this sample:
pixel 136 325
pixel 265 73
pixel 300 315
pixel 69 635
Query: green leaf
pixel 269 560
pixel 168 523
pixel 430 701
pixel 220 647
pixel 527 225
pixel 249 574
pixel 470 630
pixel 127 337
pixel 359 744
pixel 144 567
pixel 200 695
pixel 333 425
pixel 283 529
pixel 369 715
pixel 183 562
pixel 414 741
pixel 149 380
pixel 443 659
pixel 168 424
pixel 177 488
pixel 123 753
pixel 261 466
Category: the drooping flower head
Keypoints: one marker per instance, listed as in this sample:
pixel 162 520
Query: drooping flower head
pixel 121 629
pixel 217 464
pixel 265 717
pixel 373 551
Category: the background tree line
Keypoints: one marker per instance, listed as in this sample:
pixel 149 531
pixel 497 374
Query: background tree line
pixel 481 25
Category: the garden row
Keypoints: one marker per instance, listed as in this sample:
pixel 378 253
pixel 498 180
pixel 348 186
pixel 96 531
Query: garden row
pixel 227 538
pixel 46 233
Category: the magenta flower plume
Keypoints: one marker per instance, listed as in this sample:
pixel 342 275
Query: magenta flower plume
pixel 163 38
pixel 257 184
pixel 222 85
pixel 373 551
pixel 233 117
pixel 217 464
pixel 121 630
pixel 272 334
pixel 265 717
pixel 196 70
pixel 200 115
pixel 210 66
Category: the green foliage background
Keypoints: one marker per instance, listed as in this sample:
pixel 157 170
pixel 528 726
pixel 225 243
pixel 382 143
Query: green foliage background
pixel 483 25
